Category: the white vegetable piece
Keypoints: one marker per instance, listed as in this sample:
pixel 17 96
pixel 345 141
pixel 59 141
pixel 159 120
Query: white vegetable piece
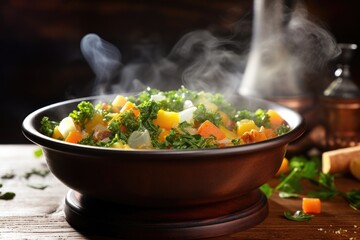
pixel 188 104
pixel 157 97
pixel 66 125
pixel 139 139
pixel 187 114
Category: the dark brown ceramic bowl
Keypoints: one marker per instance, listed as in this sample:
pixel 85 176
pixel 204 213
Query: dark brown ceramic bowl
pixel 163 178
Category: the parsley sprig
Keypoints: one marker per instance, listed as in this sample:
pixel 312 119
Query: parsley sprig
pixel 323 185
pixel 298 216
pixel 180 138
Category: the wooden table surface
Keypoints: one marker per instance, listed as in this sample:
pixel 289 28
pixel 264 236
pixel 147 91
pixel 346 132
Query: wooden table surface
pixel 38 214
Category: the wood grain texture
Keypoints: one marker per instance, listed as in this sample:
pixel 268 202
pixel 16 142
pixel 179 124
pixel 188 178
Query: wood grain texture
pixel 38 214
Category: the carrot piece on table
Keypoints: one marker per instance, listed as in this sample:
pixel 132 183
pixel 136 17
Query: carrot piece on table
pixel 284 168
pixel 73 137
pixel 207 129
pixel 311 205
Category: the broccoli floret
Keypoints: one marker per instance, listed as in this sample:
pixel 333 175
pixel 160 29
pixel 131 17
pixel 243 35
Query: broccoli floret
pixel 129 121
pixel 173 102
pixel 260 117
pixel 222 104
pixel 84 113
pixel 47 126
pixel 144 96
pixel 181 139
pixel 148 112
pixel 282 129
pixel 114 127
pixel 201 115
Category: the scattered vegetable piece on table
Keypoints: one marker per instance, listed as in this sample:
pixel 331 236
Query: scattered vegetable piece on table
pixel 7 195
pixel 355 168
pixel 338 161
pixel 298 216
pixel 284 168
pixel 304 170
pixel 311 205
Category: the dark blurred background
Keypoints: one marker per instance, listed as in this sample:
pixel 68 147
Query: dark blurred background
pixel 41 61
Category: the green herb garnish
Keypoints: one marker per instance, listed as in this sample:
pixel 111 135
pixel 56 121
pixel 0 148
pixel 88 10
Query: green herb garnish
pixel 260 117
pixel 38 172
pixel 38 153
pixel 267 190
pixel 38 186
pixel 298 216
pixel 307 170
pixel 201 114
pixel 181 139
pixel 7 195
pixel 9 175
pixel 353 198
pixel 148 112
pixel 47 126
pixel 84 113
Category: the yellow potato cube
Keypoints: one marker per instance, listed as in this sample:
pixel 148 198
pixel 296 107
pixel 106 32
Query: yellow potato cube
pixel 229 134
pixel 97 119
pixel 275 119
pixel 57 134
pixel 245 125
pixel 167 119
pixel 119 101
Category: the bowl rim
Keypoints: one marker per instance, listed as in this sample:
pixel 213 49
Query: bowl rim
pixel 32 134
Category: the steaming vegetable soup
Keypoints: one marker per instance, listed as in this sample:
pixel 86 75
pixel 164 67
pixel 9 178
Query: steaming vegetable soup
pixel 154 119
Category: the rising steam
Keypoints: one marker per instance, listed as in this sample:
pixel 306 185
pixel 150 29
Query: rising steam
pixel 286 46
pixel 104 60
pixel 199 61
pixel 286 49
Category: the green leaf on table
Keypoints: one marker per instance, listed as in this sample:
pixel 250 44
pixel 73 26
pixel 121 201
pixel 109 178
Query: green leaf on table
pixel 297 162
pixel 266 189
pixel 7 195
pixel 322 194
pixel 291 183
pixel 310 170
pixel 288 195
pixel 327 181
pixel 353 198
pixel 39 172
pixel 298 216
pixel 38 186
pixel 9 175
pixel 38 152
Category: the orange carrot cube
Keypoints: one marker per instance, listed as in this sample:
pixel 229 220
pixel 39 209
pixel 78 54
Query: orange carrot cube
pixel 208 129
pixel 311 205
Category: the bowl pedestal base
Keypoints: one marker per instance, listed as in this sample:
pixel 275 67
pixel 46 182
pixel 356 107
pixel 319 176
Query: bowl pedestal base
pixel 94 216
